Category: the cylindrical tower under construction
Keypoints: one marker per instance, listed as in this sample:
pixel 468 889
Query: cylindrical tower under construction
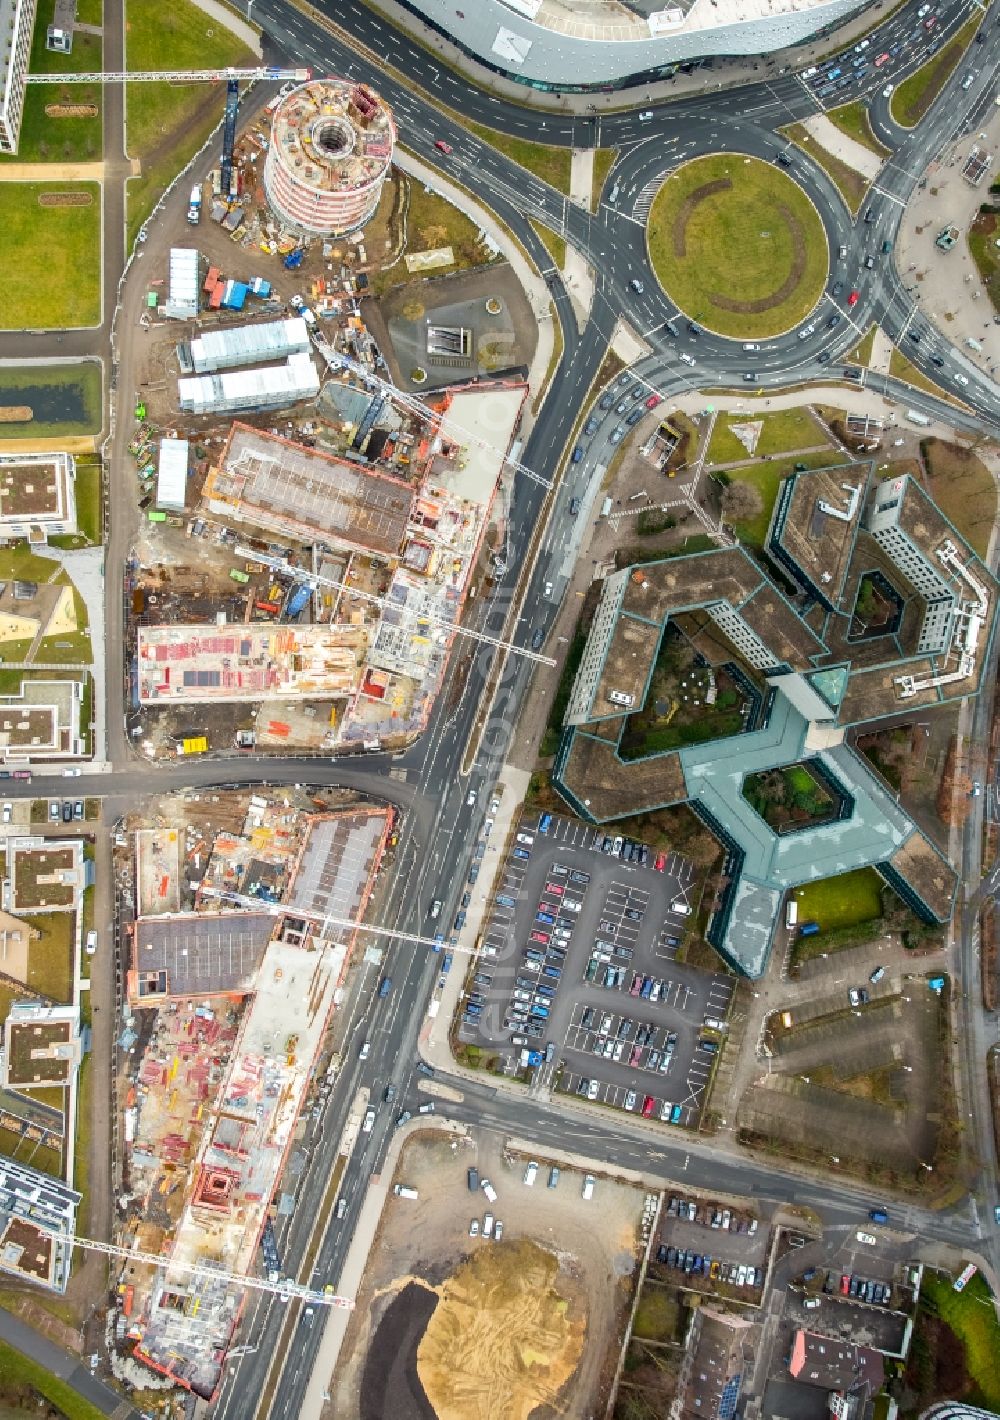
pixel 330 152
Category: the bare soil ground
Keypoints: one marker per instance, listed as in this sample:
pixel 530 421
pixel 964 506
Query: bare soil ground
pixel 433 1334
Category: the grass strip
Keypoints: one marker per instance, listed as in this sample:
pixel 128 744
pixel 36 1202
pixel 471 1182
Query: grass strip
pixel 852 119
pixel 551 164
pixel 604 161
pixel 554 244
pixel 28 1376
pixel 851 184
pixel 862 352
pixel 916 94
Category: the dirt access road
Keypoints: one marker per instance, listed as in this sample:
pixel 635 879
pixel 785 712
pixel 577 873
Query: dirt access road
pixel 411 1272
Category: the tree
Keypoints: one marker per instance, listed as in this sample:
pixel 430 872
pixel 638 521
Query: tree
pixel 414 310
pixel 741 502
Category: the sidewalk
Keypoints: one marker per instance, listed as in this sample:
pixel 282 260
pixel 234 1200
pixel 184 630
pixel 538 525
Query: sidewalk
pixel 946 285
pixel 248 33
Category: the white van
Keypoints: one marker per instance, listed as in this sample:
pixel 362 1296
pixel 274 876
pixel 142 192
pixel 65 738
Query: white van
pixel 588 1186
pixel 529 1174
pixel 680 907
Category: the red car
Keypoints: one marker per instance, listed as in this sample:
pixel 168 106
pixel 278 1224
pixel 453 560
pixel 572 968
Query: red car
pixel 930 23
pixel 445 147
pixel 660 862
pixel 845 1283
pixel 647 1106
pixel 653 401
pixel 882 59
pixel 853 298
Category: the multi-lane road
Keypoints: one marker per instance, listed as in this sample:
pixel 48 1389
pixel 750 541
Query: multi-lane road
pixel 439 826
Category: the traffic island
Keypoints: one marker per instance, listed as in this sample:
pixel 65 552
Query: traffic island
pixel 738 246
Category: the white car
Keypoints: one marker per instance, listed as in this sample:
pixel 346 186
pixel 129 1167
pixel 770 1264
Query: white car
pixel 470 798
pixel 530 1174
pixel 495 804
pixel 592 1089
pixel 474 1228
pixel 630 1099
pixel 887 91
pixel 686 359
pixel 498 1231
pixel 866 1238
pixel 91 942
pixel 962 379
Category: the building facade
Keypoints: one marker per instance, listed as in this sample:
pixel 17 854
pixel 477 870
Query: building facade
pixel 17 21
pixel 575 48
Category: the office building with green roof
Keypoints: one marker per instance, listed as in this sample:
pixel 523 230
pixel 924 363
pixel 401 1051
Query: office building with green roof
pixel 815 665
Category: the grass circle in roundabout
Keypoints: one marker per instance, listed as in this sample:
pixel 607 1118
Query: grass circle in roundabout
pixel 738 246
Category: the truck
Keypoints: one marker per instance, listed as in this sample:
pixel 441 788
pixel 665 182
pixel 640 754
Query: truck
pixel 915 417
pixel 403 1190
pixel 791 913
pixel 194 206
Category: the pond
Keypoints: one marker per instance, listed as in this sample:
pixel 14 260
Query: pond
pixel 64 399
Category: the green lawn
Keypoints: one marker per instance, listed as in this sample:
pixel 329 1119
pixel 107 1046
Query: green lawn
pixel 20 562
pixel 852 119
pixel 84 1116
pixel 904 369
pixel 844 901
pixel 65 399
pixel 604 161
pixel 758 241
pixel 972 1317
pixel 50 956
pixel 88 506
pixel 26 1377
pixel 60 139
pixel 766 477
pixel 168 123
pixel 982 238
pixel 554 244
pixel 433 221
pixel 862 352
pixel 551 164
pixel 963 488
pixel 53 258
pixel 916 94
pixel 851 184
pixel 784 431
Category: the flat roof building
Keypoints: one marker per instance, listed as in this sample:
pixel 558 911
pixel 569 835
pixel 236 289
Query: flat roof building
pixel 37 496
pixel 269 387
pixel 182 665
pixel 17 21
pixel 830 530
pixel 290 491
pixel 233 346
pixel 37 1222
pixel 41 1045
pixel 42 721
pixel 183 284
pixel 172 475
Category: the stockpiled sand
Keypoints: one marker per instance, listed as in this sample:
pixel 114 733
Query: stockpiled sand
pixel 502 1339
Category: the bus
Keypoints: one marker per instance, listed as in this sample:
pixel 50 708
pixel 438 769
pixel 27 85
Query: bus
pixel 962 1281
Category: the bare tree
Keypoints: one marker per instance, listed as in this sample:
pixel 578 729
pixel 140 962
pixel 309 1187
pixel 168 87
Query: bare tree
pixel 741 502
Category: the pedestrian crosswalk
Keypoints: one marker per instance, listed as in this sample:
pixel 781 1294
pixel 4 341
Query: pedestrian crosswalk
pixel 644 198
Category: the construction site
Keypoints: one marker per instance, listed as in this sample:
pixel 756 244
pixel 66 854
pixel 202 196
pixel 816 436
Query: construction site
pixel 238 954
pixel 322 603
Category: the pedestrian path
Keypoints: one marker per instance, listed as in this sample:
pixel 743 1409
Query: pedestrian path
pixel 52 172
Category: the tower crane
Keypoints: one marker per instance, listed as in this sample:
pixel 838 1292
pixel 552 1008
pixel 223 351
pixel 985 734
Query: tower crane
pixel 191 76
pixel 172 76
pixel 284 1288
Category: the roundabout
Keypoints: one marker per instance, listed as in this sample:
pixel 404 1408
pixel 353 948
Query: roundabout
pixel 737 246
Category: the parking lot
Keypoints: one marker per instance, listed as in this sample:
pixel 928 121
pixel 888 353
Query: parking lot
pixel 578 966
pixel 714 1246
